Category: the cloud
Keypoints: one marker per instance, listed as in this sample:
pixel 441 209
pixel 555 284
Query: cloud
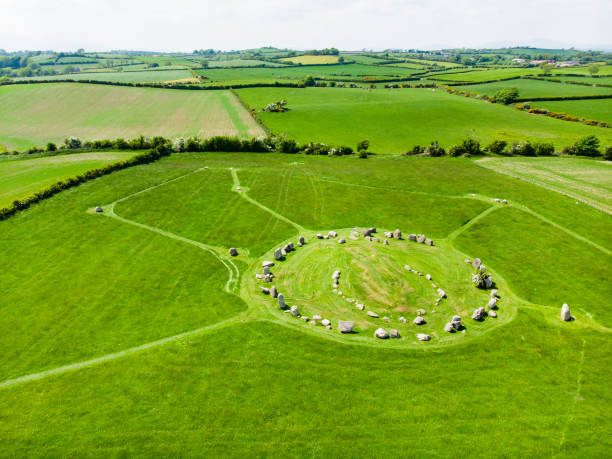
pixel 183 25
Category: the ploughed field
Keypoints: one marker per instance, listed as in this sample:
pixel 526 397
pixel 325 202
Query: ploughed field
pixel 394 120
pixel 32 115
pixel 135 323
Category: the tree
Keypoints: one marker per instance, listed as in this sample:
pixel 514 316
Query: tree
pixel 309 81
pixel 496 147
pixel 545 68
pixel 506 96
pixel 204 63
pixel 608 153
pixel 51 146
pixel 363 145
pixel 341 60
pixel 587 146
pixel 593 69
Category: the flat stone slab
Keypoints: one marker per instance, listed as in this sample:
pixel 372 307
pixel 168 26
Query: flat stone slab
pixel 372 314
pixel 346 326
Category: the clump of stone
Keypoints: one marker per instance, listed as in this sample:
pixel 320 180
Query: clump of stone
pixel 99 209
pixel 479 314
pixel 423 337
pixel 419 320
pixel 233 252
pixel 393 333
pixel 381 333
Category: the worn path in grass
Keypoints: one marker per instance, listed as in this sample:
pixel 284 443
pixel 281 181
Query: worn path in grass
pixel 257 310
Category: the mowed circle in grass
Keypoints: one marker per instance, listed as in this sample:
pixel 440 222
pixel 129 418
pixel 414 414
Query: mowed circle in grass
pixel 376 275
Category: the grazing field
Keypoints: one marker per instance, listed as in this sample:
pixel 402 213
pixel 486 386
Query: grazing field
pixel 396 120
pixel 584 179
pixel 536 88
pixel 604 70
pixel 243 63
pixel 486 75
pixel 311 60
pixel 147 76
pixel 20 178
pixel 36 114
pixel 185 341
pixel 598 109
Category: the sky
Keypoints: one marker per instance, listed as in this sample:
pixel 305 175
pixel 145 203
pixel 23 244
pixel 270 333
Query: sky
pixel 185 25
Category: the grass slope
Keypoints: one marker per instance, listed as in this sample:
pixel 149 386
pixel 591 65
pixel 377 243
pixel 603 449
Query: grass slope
pixel 396 120
pixel 24 177
pixel 121 77
pixel 599 110
pixel 310 60
pixel 487 75
pixel 537 88
pixel 36 114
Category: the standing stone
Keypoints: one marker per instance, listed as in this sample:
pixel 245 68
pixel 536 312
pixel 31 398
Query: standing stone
pixel 492 314
pixel 267 263
pixel 428 277
pixel 423 337
pixel 336 274
pixel 456 322
pixel 412 237
pixel 494 293
pixel 492 303
pixel 233 252
pixel 418 320
pixel 479 314
pixel 407 267
pixel 429 242
pixel 332 234
pixel 266 270
pixel 283 253
pixel 319 236
pixel 420 238
pixel 325 322
pixel 449 327
pixel 397 234
pixel 468 261
pixel 393 333
pixel 402 319
pixel 505 201
pixel 273 292
pixel 295 311
pixel 99 209
pixel 488 282
pixel 385 242
pixel 476 263
pixel 299 244
pixel 278 254
pixel 496 199
pixel 281 301
pixel 388 234
pixel 360 306
pixel 441 293
pixel 565 313
pixel 381 333
pixel 345 326
pixel 341 240
pixel 366 232
pixel 372 230
pixel 301 240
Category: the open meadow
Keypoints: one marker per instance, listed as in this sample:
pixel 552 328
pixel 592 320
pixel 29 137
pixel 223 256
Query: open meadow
pixel 396 120
pixel 137 323
pixel 145 76
pixel 32 115
pixel 536 88
pixel 598 109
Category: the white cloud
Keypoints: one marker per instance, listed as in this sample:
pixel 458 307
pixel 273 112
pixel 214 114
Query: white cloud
pixel 183 25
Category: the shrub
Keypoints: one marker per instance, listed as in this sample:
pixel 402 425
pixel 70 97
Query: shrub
pixel 497 147
pixel 587 146
pixel 523 149
pixel 467 147
pixel 51 146
pixel 434 149
pixel 309 81
pixel 608 153
pixel 416 150
pixel 363 145
pixel 506 96
pixel 363 154
pixel 287 146
pixel 72 143
pixel 544 149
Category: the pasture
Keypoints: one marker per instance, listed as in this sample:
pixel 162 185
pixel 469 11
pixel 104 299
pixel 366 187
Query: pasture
pixel 396 120
pixel 311 60
pixel 598 109
pixel 22 177
pixel 486 75
pixel 35 114
pixel 145 76
pixel 187 343
pixel 536 88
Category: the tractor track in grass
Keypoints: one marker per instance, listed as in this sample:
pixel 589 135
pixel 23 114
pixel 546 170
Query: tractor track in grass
pixel 251 314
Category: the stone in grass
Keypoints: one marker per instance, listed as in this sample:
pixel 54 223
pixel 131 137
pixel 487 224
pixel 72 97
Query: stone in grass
pixel 418 320
pixel 299 244
pixel 345 326
pixel 385 242
pixel 412 237
pixel 372 314
pixel 267 263
pixel 497 200
pixel 332 234
pixel 421 312
pixel 505 201
pixel 397 234
pixel 429 242
pixel 468 261
pixel 273 292
pixel 99 209
pixel 488 282
pixel 374 239
pixel 388 234
pixel 393 333
pixel 479 314
pixel 305 318
pixel 423 337
pixel 233 252
pixel 402 319
pixel 407 267
pixel 325 322
pixel 301 240
pixel 441 293
pixel 381 333
pixel 428 277
pixel 492 304
pixel 295 311
pixel 341 240
pixel 456 321
pixel 266 270
pixel 265 291
pixel 360 306
pixel 283 252
pixel 421 238
pixel 336 274
pixel 476 263
pixel 449 327
pixel 353 237
pixel 319 236
pixel 366 232
pixel 340 292
pixel 372 230
pixel 494 293
pixel 386 319
pixel 316 317
pixel 328 327
pixel 565 313
pixel 278 254
pixel 281 301
pixel 492 314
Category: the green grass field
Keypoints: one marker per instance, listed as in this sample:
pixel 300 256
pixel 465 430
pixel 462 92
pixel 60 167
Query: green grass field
pixel 536 88
pixel 20 178
pixel 487 75
pixel 311 60
pixel 185 343
pixel 396 120
pixel 36 114
pixel 147 76
pixel 598 109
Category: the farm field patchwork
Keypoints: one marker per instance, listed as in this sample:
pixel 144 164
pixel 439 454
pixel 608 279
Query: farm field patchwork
pixel 24 177
pixel 396 120
pixel 35 114
pixel 311 60
pixel 145 76
pixel 153 266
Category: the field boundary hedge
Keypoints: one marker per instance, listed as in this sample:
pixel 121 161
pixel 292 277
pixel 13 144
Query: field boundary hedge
pixel 539 99
pixel 252 112
pixel 23 204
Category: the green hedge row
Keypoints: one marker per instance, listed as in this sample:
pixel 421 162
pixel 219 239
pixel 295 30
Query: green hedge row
pixel 143 158
pixel 537 99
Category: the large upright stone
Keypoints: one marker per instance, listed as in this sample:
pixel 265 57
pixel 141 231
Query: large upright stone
pixel 266 270
pixel 394 333
pixel 281 301
pixel 233 252
pixel 419 320
pixel 278 254
pixel 301 240
pixel 412 237
pixel 345 326
pixel 336 274
pixel 479 314
pixel 295 311
pixel 366 232
pixel 381 333
pixel 492 304
pixel 423 337
pixel 421 238
pixel 565 313
pixel 273 292
pixel 397 234
pixel 332 234
pixel 476 263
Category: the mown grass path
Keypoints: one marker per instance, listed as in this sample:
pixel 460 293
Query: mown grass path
pixel 258 311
